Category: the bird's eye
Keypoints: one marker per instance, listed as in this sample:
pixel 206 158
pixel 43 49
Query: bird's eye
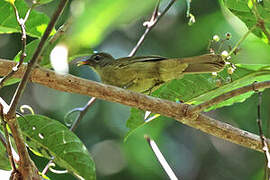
pixel 97 57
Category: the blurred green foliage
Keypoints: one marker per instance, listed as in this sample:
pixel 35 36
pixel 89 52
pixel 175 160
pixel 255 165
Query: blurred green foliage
pixel 114 27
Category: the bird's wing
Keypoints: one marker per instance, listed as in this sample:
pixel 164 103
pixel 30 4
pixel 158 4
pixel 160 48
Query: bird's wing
pixel 122 62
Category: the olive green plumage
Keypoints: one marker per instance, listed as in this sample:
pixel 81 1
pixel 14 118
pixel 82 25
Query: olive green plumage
pixel 146 73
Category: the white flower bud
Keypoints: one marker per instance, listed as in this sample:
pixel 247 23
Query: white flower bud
pixel 216 38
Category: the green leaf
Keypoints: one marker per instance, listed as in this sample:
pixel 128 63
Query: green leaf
pixel 4 161
pixel 11 81
pixel 243 10
pixel 196 89
pixel 134 121
pixel 29 50
pixel 100 17
pixel 35 25
pixel 49 138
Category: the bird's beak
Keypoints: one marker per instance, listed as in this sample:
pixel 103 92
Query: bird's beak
pixel 80 63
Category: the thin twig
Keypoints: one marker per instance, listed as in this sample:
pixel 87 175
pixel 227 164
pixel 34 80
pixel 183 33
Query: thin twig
pixel 3 140
pixel 8 146
pixel 21 23
pixel 74 125
pixel 261 24
pixel 61 31
pixel 33 61
pixel 56 37
pixel 241 40
pixel 260 20
pixel 6 140
pixel 82 113
pixel 263 139
pixel 72 84
pixel 161 159
pixel 150 25
pixel 46 168
pixel 228 95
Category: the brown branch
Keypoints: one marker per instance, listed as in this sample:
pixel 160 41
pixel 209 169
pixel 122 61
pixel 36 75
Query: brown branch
pixel 228 95
pixel 72 84
pixel 150 25
pixel 26 167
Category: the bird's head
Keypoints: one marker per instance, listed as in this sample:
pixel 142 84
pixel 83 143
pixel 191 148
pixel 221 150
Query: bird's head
pixel 96 60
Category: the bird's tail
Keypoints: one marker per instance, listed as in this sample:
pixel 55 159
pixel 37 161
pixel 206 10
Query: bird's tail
pixel 204 64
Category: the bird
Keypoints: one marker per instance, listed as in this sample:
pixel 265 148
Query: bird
pixel 145 74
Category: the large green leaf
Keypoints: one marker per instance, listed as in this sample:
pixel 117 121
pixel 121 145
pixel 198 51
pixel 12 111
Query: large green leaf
pixel 49 137
pixel 35 25
pixel 196 89
pixel 243 10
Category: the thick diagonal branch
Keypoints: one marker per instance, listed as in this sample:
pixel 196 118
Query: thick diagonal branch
pixel 72 84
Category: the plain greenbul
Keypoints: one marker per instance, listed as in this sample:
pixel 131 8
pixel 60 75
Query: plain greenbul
pixel 146 73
